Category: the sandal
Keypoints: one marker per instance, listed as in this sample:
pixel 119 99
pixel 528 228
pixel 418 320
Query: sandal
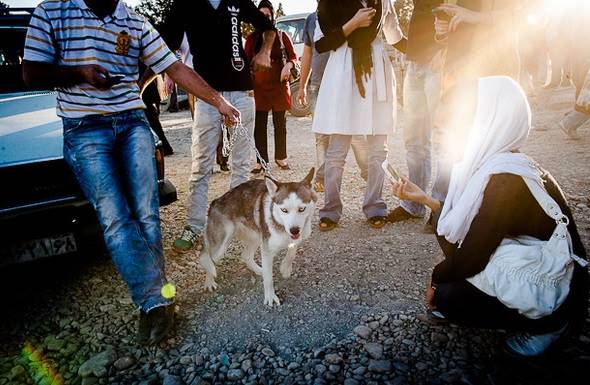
pixel 377 222
pixel 256 170
pixel 326 224
pixel 284 166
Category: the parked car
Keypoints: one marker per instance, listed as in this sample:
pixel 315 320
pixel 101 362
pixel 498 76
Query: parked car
pixel 43 212
pixel 293 25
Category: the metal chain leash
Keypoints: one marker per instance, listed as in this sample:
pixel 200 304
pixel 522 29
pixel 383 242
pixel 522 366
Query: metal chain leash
pixel 229 140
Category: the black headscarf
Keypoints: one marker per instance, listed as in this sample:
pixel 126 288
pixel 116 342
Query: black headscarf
pixel 336 13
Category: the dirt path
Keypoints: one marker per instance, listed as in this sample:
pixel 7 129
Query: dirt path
pixel 352 276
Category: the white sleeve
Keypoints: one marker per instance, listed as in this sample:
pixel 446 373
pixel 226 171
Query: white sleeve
pixel 317 33
pixel 391 28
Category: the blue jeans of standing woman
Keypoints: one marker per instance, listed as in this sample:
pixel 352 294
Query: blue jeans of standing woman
pixel 113 159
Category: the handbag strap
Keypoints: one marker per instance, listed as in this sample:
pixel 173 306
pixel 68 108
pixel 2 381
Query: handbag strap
pixel 553 210
pixel 546 202
pixel 282 43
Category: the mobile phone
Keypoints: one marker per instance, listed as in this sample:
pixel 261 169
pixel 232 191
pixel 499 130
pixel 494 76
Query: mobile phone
pixel 440 14
pixel 390 172
pixel 116 79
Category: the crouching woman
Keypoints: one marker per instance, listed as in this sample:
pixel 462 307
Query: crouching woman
pixel 513 256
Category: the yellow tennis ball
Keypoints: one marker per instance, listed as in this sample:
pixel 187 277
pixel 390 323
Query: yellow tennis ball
pixel 168 291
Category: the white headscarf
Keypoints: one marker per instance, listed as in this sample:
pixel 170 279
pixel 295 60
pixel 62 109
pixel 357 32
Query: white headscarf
pixel 501 125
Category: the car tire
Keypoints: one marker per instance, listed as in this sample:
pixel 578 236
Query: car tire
pixel 296 109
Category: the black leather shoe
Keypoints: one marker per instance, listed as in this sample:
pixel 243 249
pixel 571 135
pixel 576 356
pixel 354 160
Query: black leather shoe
pixel 161 320
pixel 144 329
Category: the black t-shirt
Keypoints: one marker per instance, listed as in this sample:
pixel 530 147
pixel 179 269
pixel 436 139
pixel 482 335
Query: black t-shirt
pixel 460 47
pixel 421 45
pixel 215 39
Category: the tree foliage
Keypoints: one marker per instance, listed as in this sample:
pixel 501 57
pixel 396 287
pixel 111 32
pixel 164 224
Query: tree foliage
pixel 154 10
pixel 280 11
pixel 404 9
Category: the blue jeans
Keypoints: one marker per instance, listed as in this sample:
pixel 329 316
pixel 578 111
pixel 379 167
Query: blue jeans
pixel 422 88
pixel 113 159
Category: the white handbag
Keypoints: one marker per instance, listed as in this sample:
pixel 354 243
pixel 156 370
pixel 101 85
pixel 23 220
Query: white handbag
pixel 528 274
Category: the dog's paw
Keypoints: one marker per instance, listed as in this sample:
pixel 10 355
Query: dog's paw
pixel 271 300
pixel 286 269
pixel 256 269
pixel 210 284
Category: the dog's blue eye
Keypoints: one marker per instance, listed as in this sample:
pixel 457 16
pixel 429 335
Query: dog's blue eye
pixel 301 209
pixel 285 210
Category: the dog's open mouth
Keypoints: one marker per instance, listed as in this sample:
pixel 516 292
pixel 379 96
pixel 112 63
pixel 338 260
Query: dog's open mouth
pixel 294 237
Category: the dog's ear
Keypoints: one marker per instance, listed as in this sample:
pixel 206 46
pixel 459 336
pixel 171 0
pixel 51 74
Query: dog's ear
pixel 307 180
pixel 271 185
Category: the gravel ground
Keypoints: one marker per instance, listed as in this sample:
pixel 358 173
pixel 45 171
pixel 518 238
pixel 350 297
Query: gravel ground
pixel 348 312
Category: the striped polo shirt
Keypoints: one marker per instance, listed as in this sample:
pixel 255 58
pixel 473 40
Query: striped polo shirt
pixel 68 33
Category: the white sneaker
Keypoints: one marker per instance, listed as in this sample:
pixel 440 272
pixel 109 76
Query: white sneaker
pixel 533 345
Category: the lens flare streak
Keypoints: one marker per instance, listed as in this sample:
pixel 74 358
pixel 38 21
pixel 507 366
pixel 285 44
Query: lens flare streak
pixel 39 370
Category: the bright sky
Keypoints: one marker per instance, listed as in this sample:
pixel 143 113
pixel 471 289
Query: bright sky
pixel 290 6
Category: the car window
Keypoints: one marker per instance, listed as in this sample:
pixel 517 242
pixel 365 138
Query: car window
pixel 294 28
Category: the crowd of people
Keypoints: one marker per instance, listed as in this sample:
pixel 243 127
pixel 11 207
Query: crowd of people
pixel 489 201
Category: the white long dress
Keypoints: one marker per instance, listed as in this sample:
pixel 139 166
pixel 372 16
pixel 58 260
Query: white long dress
pixel 340 108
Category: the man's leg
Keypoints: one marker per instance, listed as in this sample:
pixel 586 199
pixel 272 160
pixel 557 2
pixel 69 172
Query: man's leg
pixel 205 137
pixel 360 149
pixel 374 205
pixel 416 134
pixel 91 149
pixel 140 178
pixel 241 157
pixel 334 167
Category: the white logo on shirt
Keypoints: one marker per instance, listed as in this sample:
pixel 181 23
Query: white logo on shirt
pixel 236 61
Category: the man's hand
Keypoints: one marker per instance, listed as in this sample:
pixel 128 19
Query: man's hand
pixel 364 17
pixel 261 61
pixel 231 115
pixel 168 84
pixel 461 15
pixel 95 75
pixel 302 96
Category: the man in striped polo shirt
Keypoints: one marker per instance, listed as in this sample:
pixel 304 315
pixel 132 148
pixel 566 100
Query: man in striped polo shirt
pixel 89 50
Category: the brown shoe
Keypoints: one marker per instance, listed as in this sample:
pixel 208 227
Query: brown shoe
pixel 399 214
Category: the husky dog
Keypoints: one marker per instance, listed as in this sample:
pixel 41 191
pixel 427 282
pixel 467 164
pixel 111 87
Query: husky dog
pixel 261 213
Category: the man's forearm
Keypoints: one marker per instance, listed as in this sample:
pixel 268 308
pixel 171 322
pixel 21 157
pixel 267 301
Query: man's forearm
pixel 193 83
pixel 48 76
pixel 268 38
pixel 306 65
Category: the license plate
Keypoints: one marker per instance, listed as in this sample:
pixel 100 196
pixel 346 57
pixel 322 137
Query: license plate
pixel 44 247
